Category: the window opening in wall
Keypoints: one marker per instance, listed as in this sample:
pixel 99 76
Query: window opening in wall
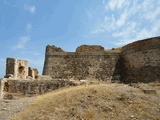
pixel 21 71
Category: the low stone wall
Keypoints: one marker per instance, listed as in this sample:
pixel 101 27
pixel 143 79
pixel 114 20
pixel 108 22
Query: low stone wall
pixel 31 87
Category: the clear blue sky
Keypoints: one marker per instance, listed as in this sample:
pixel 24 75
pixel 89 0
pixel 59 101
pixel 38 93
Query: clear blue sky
pixel 27 26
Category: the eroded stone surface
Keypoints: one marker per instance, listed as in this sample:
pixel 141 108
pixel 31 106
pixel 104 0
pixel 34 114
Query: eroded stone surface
pixel 33 87
pixel 141 61
pixel 90 48
pixel 100 66
pixel 18 69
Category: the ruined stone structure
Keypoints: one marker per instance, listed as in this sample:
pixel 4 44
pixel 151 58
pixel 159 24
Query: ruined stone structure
pixel 18 69
pixel 135 62
pixel 22 80
pixel 18 88
pixel 92 64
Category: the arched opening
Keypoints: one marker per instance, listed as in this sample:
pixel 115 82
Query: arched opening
pixel 21 71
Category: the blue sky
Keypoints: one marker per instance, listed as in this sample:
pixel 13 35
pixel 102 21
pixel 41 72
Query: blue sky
pixel 27 26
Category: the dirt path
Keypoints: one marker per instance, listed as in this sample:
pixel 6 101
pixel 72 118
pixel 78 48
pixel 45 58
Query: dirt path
pixel 10 107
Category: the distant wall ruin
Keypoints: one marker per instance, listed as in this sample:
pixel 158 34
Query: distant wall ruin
pixel 20 78
pixel 18 69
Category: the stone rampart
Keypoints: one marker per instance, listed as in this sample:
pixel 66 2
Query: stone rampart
pixel 82 65
pixel 141 61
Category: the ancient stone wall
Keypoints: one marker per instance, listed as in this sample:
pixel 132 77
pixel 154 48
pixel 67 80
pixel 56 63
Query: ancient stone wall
pixel 17 69
pixel 33 73
pixel 82 65
pixel 138 62
pixel 52 48
pixel 18 88
pixel 141 61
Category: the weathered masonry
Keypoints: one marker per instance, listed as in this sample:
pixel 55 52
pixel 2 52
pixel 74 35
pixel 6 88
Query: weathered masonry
pixel 141 61
pixel 20 79
pixel 88 62
pixel 136 62
pixel 18 69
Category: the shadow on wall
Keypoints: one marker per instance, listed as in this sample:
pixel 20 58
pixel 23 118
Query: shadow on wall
pixel 118 74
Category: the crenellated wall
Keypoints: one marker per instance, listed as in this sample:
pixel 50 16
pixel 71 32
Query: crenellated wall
pixel 141 61
pixel 82 65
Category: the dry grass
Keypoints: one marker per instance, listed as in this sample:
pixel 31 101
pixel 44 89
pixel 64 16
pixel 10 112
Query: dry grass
pixel 93 102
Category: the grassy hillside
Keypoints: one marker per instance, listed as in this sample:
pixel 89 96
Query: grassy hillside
pixel 94 102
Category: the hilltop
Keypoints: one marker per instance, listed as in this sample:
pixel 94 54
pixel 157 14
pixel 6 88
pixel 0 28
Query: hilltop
pixel 92 102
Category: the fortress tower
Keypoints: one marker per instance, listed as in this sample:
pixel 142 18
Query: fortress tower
pixel 141 61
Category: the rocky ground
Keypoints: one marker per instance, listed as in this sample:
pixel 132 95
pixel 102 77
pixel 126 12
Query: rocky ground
pixel 10 107
pixel 151 92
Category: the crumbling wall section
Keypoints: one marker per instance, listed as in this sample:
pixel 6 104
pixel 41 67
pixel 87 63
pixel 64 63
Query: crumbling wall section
pixel 52 48
pixel 33 73
pixel 10 66
pixel 90 48
pixel 18 88
pixel 17 69
pixel 141 61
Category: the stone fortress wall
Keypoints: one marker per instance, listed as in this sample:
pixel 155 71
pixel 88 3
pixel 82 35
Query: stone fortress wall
pixel 141 61
pixel 88 62
pixel 136 62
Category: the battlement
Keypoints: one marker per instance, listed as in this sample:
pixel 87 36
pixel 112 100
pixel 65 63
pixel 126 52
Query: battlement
pixel 52 48
pixel 90 48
